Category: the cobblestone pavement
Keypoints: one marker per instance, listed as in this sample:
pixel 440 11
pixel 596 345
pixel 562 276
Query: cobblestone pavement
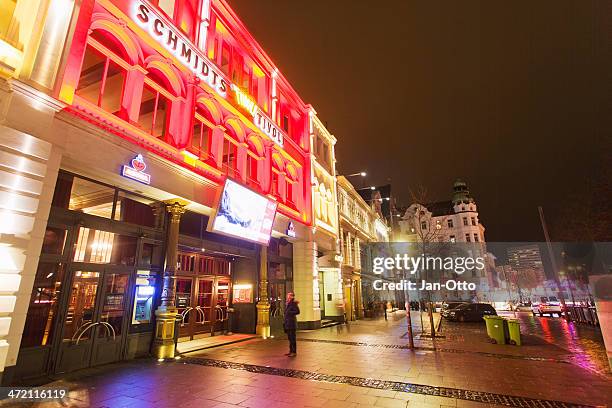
pixel 364 364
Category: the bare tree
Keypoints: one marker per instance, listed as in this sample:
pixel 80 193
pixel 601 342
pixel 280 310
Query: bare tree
pixel 426 235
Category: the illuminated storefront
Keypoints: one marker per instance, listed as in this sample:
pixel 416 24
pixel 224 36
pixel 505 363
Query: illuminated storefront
pixel 140 116
pixel 360 224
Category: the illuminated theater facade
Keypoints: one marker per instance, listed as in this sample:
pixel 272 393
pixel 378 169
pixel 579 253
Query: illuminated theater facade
pixel 157 163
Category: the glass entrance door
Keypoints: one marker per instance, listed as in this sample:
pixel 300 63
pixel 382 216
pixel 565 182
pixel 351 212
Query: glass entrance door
pixel 184 288
pixel 95 319
pixel 202 303
pixel 221 303
pixel 203 306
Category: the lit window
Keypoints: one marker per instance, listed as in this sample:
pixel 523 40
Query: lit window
pixel 87 197
pixel 452 238
pixel 274 187
pixel 96 247
pixel 45 298
pixel 200 136
pixel 154 107
pixel 290 191
pixel 230 156
pixel 252 164
pixel 246 82
pixel 225 58
pixel 237 66
pixel 101 81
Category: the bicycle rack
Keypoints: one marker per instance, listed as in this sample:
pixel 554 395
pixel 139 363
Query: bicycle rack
pixel 184 314
pixel 201 314
pixel 84 327
pixel 107 326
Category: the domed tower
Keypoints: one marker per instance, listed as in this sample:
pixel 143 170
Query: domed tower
pixel 461 193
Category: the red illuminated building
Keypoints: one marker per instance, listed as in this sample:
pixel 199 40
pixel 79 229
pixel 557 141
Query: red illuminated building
pixel 190 84
pixel 162 166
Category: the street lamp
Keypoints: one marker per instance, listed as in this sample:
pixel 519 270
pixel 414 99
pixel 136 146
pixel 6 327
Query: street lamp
pixel 361 173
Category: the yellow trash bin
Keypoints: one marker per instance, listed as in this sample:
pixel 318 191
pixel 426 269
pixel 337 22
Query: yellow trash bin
pixel 495 329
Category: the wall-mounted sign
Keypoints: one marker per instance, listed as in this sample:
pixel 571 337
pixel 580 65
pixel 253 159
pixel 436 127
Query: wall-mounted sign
pixel 135 170
pixel 243 293
pixel 243 214
pixel 260 119
pixel 290 230
pixel 191 57
pixel 184 50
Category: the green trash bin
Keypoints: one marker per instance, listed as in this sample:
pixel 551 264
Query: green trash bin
pixel 495 329
pixel 514 332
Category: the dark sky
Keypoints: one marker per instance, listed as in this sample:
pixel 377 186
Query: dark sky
pixel 503 94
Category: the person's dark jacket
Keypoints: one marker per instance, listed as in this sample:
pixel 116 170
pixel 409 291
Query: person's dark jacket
pixel 291 310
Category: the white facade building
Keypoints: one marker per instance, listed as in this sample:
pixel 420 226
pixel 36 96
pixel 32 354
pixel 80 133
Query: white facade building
pixel 455 220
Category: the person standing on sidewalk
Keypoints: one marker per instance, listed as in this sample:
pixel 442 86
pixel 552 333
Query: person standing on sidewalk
pixel 290 324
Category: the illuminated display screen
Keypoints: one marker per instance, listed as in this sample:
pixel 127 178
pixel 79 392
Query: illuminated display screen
pixel 244 214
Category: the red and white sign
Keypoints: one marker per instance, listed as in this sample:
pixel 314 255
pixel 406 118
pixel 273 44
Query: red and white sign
pixel 136 170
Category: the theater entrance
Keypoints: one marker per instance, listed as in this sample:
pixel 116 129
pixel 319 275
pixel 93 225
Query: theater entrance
pixel 96 318
pixel 202 295
pixel 202 306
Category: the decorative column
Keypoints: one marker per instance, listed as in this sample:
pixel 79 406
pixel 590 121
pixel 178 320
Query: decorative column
pixel 166 312
pixel 306 284
pixel 263 306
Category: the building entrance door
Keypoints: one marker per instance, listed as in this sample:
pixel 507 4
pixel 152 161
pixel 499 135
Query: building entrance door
pixel 278 295
pixel 96 318
pixel 202 305
pixel 322 294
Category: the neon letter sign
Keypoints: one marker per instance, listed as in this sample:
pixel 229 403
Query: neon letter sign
pixel 187 53
pixel 259 118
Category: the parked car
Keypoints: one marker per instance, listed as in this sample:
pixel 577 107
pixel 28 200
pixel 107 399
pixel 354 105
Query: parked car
pixel 471 312
pixel 547 305
pixel 523 307
pixel 447 306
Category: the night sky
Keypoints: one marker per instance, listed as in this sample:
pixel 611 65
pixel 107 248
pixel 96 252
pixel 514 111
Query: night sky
pixel 505 95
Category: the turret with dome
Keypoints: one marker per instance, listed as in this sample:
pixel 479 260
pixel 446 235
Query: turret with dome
pixel 461 193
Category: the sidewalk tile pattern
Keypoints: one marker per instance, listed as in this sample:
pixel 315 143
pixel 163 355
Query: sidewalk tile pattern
pixel 461 394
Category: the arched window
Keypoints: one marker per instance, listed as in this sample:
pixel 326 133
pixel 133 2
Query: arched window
pixel 103 73
pixel 201 133
pixel 291 184
pixel 277 168
pixel 155 105
pixel 230 156
pixel 254 158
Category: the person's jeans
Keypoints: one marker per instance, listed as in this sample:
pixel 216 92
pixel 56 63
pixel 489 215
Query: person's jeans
pixel 292 341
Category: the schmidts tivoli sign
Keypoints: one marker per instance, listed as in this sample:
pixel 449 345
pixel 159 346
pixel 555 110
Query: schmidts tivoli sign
pixel 194 59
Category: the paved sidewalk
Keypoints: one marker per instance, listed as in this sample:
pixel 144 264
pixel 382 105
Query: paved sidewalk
pixel 364 364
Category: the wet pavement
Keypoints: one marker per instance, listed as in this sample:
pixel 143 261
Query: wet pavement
pixel 584 342
pixel 364 364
